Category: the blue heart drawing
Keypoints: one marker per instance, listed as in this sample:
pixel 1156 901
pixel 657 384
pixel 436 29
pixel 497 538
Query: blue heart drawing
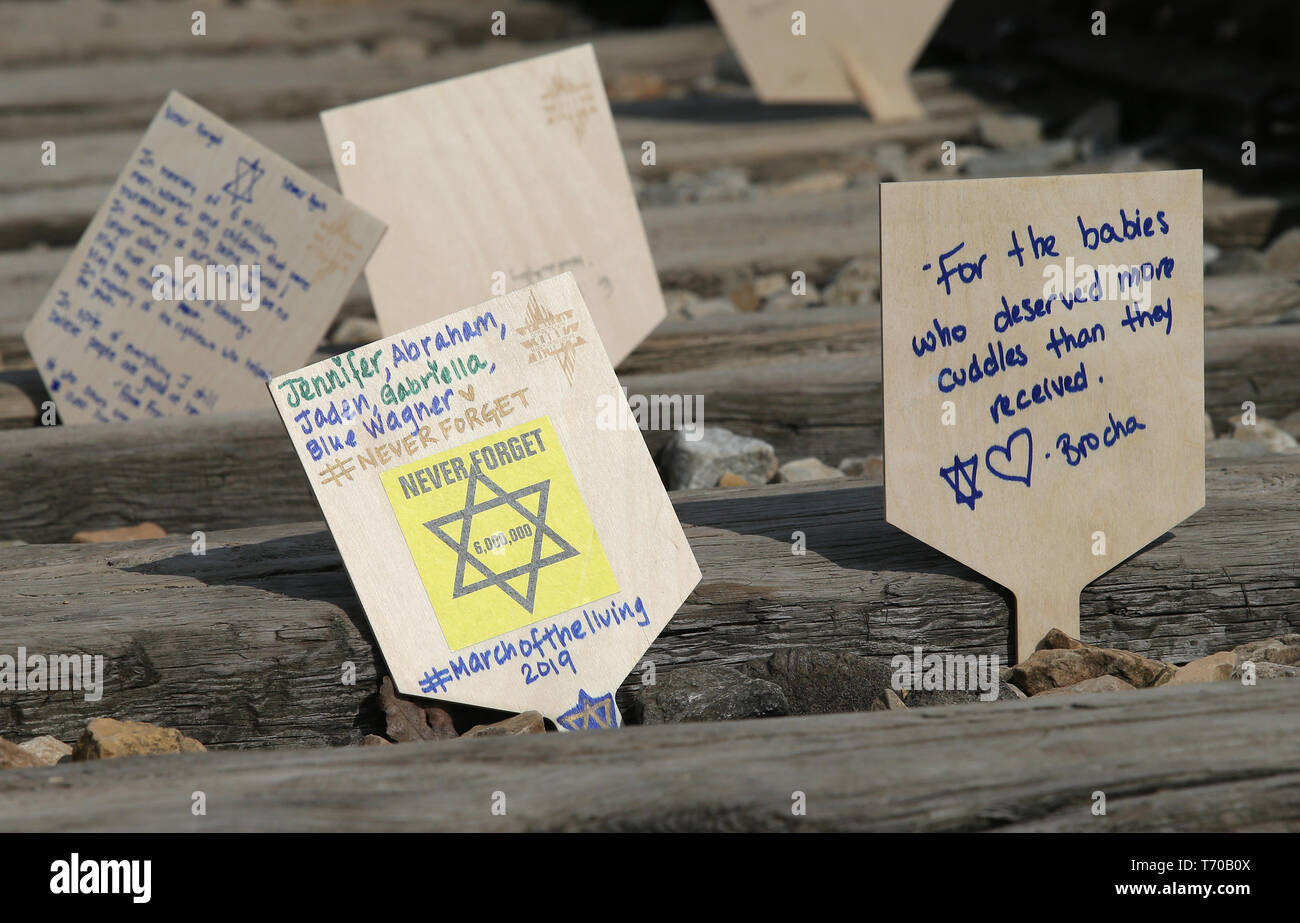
pixel 1005 451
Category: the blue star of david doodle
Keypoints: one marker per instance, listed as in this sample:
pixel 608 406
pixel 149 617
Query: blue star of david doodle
pixel 590 714
pixel 246 174
pixel 490 577
pixel 963 472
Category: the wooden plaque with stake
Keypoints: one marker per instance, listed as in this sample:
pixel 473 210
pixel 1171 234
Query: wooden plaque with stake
pixel 496 180
pixel 832 51
pixel 1043 375
pixel 511 550
pixel 213 264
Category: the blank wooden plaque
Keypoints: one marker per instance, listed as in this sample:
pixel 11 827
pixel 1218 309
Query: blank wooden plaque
pixel 198 189
pixel 458 606
pixel 494 181
pixel 1031 520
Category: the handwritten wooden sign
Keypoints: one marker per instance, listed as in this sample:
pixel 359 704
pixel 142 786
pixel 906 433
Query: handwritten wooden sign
pixel 495 181
pixel 213 264
pixel 832 51
pixel 1043 375
pixel 510 550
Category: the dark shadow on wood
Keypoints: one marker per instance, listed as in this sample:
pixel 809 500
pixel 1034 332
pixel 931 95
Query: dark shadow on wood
pixel 304 566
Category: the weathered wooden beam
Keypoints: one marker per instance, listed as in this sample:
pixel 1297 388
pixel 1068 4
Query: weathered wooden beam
pixel 780 142
pixel 110 94
pixel 807 387
pixel 697 133
pixel 709 342
pixel 25 277
pixel 1252 364
pixel 125 460
pixel 239 469
pixel 184 473
pixel 751 338
pixel 245 646
pixel 700 247
pixel 1213 758
pixel 80 30
pixel 694 245
pixel 827 406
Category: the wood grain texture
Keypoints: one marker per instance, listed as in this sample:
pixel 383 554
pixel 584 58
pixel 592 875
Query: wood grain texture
pixel 822 405
pixel 1173 759
pixel 834 413
pixel 35 33
pixel 754 338
pixel 690 242
pixel 828 413
pixel 244 647
pixel 699 133
pixel 701 247
pixel 73 98
pixel 694 133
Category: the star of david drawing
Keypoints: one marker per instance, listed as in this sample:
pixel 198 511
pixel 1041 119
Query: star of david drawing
pixel 465 557
pixel 963 472
pixel 590 714
pixel 246 174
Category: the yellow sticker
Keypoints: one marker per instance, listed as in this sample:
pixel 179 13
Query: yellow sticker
pixel 499 533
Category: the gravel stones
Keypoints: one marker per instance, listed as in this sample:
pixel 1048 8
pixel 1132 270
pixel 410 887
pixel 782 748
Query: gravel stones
pixel 819 682
pixel 706 693
pixel 702 462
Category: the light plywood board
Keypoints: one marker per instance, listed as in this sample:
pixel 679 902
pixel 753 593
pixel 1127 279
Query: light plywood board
pixel 258 257
pixel 495 181
pixel 508 536
pixel 1043 395
pixel 832 51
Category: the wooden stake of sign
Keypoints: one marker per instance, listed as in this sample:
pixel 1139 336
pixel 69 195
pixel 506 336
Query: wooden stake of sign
pixel 1043 375
pixel 213 264
pixel 495 505
pixel 495 181
pixel 832 51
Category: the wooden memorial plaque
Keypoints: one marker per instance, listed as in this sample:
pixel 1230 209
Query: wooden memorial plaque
pixel 508 550
pixel 213 264
pixel 1043 375
pixel 841 51
pixel 494 181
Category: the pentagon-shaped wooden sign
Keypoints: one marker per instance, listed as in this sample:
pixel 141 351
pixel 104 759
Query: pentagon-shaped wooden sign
pixel 511 547
pixel 1043 375
pixel 832 51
